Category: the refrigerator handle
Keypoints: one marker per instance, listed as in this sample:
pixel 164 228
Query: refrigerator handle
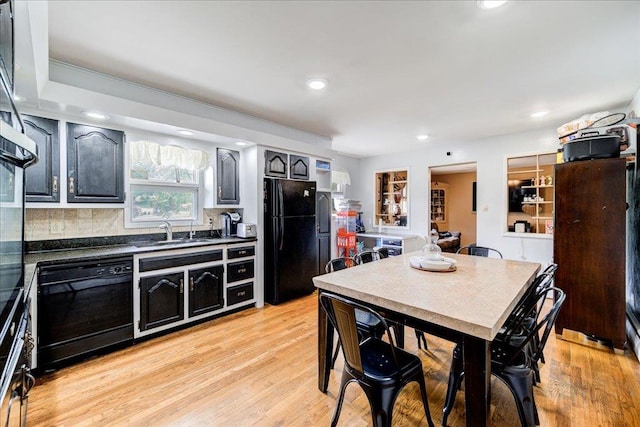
pixel 281 233
pixel 280 200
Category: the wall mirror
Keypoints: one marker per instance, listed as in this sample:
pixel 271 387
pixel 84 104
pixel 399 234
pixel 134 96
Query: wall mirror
pixel 391 199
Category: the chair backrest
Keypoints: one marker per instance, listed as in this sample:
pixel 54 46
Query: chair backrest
pixel 383 252
pixel 529 304
pixel 365 257
pixel 545 325
pixel 342 315
pixel 339 264
pixel 484 251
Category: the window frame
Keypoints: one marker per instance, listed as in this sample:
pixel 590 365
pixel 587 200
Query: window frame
pixel 197 188
pixel 537 220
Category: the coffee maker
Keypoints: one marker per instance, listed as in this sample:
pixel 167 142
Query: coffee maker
pixel 230 222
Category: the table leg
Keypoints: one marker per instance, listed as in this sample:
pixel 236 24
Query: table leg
pixel 477 380
pixel 325 347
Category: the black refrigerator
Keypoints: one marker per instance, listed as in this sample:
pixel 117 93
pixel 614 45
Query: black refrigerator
pixel 291 250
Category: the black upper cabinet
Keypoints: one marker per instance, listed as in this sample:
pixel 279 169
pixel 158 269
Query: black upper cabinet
pixel 275 164
pixel 228 176
pixel 299 168
pixel 95 164
pixel 42 179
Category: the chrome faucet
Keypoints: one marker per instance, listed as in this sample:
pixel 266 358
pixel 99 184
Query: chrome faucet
pixel 191 232
pixel 167 228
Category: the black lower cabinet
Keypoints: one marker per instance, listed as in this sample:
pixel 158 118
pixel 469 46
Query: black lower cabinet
pixel 239 293
pixel 161 300
pixel 206 286
pixel 241 270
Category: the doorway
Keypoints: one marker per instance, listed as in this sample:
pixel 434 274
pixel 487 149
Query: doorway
pixel 452 204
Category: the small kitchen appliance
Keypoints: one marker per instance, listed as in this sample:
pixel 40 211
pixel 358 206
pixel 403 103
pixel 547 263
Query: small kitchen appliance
pixel 230 221
pixel 247 230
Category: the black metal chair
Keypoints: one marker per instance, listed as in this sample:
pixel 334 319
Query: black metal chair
pixel 473 249
pixel 513 360
pixel 383 253
pixel 365 257
pixel 378 366
pixel 525 315
pixel 367 324
pixel 337 264
pixel 370 256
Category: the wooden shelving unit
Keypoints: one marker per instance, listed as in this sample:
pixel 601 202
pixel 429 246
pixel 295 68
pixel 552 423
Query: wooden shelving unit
pixel 391 198
pixel 531 188
pixel 438 202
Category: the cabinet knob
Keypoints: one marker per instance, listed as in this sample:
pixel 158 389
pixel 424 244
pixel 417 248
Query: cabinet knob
pixel 71 185
pixel 181 286
pixel 191 284
pixel 219 191
pixel 54 185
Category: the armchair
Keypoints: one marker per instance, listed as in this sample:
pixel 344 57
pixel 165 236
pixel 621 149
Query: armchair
pixel 449 241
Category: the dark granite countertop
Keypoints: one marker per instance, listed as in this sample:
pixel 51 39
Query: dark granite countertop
pixel 50 252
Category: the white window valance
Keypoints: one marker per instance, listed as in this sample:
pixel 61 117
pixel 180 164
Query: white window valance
pixel 340 178
pixel 167 155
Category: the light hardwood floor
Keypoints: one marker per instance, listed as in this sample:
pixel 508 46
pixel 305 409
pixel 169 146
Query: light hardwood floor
pixel 259 367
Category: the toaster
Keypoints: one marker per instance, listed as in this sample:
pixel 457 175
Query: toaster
pixel 247 230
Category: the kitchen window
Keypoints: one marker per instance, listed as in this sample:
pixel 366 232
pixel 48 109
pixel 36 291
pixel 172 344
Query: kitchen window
pixel 165 184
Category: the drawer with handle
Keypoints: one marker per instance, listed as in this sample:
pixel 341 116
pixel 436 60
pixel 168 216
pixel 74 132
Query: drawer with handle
pixel 240 293
pixel 240 270
pixel 160 262
pixel 241 252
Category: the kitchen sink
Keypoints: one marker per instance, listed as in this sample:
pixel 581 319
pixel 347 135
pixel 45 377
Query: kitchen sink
pixel 148 243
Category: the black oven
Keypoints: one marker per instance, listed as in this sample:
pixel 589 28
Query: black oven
pixel 16 153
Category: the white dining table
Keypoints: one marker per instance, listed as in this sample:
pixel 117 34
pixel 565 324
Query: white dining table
pixel 467 306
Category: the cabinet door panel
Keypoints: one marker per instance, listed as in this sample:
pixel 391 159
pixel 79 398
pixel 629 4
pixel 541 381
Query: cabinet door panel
pixel 324 252
pixel 95 163
pixel 275 164
pixel 299 167
pixel 323 228
pixel 323 211
pixel 206 290
pixel 161 300
pixel 42 178
pixel 228 176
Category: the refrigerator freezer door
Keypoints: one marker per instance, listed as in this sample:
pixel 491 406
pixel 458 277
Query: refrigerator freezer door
pixel 291 258
pixel 283 197
pixel 298 198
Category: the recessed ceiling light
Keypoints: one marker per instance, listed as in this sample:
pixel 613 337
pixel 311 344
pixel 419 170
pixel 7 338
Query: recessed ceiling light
pixel 539 114
pixel 95 115
pixel 241 143
pixel 491 4
pixel 18 98
pixel 422 137
pixel 317 83
pixel 185 132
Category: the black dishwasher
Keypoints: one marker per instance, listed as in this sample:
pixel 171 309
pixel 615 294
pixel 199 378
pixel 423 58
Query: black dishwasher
pixel 83 307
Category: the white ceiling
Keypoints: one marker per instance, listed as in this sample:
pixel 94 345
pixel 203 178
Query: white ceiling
pixel 395 69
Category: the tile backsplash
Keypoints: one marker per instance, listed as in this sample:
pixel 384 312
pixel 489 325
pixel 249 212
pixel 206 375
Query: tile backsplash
pixel 49 224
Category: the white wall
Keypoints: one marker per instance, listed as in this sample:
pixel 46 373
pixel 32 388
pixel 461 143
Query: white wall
pixel 490 156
